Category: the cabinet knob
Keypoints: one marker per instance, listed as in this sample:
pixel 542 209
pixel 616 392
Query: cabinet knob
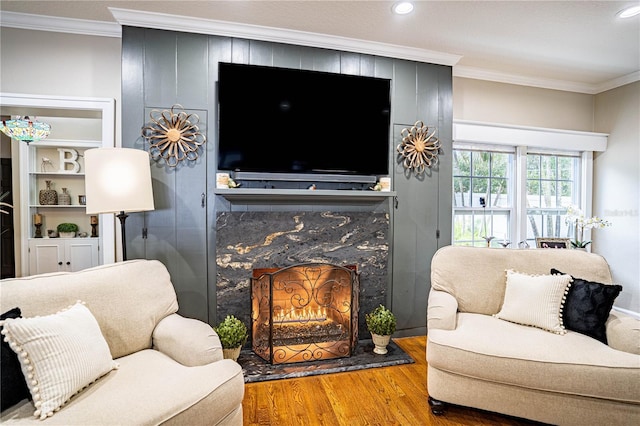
pixel 60 263
pixel 68 263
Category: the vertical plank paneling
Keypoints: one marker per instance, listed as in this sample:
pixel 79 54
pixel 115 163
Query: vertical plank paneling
pixel 161 68
pixel 132 115
pixel 349 63
pixel 239 51
pixel 261 53
pixel 192 70
pixel 220 50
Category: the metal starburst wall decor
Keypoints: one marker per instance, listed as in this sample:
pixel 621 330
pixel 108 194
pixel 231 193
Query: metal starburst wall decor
pixel 173 135
pixel 419 147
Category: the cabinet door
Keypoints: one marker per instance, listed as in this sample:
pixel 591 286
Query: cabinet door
pixel 81 254
pixel 46 255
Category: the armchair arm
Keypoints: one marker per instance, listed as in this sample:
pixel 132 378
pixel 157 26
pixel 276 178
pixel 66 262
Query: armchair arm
pixel 189 341
pixel 623 332
pixel 441 310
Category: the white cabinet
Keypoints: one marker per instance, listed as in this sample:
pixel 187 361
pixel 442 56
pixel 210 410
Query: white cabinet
pixel 77 124
pixel 62 254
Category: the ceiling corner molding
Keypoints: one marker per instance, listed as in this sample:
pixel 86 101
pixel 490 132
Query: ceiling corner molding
pixel 27 21
pixel 617 82
pixel 500 77
pixel 163 21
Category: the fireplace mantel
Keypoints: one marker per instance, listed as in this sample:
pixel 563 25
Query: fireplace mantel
pixel 293 195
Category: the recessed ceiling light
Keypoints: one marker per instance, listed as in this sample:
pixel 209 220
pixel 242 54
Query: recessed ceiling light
pixel 403 7
pixel 629 12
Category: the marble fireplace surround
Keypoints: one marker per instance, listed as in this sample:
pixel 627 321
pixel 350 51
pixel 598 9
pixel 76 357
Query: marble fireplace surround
pixel 276 239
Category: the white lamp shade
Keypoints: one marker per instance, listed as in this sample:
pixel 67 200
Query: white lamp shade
pixel 117 180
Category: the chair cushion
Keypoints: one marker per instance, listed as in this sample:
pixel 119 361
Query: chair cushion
pixel 59 354
pixel 149 388
pixel 486 348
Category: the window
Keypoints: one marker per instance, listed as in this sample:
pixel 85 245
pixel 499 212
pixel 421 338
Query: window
pixel 552 185
pixel 482 196
pixel 485 193
pixel 512 184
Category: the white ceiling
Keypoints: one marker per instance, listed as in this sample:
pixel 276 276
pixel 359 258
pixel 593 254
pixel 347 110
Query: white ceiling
pixel 571 45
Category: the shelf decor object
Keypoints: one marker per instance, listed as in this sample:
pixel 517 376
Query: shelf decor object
pixel 118 180
pixel 25 129
pixel 64 199
pixel 419 148
pixel 173 135
pixel 48 196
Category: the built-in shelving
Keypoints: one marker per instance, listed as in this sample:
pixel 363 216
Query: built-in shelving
pixel 77 124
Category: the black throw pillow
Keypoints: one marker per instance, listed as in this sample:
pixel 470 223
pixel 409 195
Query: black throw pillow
pixel 14 387
pixel 587 307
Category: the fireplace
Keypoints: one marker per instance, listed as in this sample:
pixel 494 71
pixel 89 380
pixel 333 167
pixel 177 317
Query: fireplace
pixel 306 312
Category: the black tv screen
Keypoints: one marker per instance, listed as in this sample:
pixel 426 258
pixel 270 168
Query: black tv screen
pixel 291 121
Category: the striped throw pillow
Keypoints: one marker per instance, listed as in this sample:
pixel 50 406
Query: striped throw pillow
pixel 59 355
pixel 535 300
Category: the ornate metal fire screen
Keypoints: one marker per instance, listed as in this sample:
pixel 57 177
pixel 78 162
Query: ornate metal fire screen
pixel 306 312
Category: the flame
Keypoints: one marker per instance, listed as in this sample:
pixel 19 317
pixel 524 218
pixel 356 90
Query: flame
pixel 303 315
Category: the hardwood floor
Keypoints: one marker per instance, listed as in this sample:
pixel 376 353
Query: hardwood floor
pixel 379 396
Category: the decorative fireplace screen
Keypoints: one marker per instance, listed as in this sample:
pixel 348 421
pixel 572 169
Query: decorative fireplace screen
pixel 306 312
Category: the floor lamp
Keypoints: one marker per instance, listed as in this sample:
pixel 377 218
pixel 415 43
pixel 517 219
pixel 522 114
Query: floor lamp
pixel 118 180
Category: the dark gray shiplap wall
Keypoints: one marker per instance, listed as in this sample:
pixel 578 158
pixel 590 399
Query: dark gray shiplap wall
pixel 162 68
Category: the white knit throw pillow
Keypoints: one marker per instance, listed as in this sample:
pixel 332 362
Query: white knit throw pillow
pixel 59 354
pixel 535 300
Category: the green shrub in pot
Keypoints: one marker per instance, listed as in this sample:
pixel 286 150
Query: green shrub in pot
pixel 381 321
pixel 67 227
pixel 232 332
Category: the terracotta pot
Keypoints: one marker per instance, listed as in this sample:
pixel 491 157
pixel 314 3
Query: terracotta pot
pixel 380 343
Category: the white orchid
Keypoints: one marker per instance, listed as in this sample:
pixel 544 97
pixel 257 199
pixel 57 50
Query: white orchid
pixel 575 217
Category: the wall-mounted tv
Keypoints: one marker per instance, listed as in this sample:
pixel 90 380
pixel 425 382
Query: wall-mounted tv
pixel 294 123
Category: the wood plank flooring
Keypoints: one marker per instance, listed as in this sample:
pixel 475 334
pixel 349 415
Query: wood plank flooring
pixel 379 396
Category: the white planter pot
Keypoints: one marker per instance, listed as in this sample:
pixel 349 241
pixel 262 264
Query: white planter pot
pixel 67 234
pixel 233 353
pixel 380 343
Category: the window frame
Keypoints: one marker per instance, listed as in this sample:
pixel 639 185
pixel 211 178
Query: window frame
pixel 496 137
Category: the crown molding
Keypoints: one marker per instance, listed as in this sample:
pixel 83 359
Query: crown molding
pixel 28 21
pixel 231 29
pixel 617 82
pixel 164 21
pixel 543 83
pixel 500 77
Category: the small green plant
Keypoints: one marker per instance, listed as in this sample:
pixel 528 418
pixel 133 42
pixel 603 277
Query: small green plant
pixel 232 332
pixel 381 321
pixel 67 227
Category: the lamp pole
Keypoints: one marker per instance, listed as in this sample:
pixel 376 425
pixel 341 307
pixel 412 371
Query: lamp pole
pixel 123 216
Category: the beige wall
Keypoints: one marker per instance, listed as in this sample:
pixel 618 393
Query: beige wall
pixel 487 101
pixel 57 64
pixel 616 171
pixel 616 193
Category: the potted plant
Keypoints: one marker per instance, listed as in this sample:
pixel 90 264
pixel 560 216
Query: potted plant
pixel 233 334
pixel 381 323
pixel 67 230
pixel 575 217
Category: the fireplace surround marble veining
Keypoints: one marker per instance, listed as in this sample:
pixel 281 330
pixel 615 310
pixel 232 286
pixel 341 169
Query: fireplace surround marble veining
pixel 276 239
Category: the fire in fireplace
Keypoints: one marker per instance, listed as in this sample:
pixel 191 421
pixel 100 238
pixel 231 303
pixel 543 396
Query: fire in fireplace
pixel 306 312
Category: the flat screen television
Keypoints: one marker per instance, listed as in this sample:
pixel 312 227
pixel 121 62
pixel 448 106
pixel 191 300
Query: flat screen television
pixel 295 123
